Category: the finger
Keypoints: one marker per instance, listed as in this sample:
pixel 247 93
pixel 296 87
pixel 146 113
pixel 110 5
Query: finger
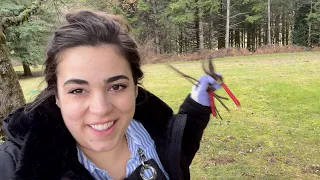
pixel 210 79
pixel 204 82
pixel 216 86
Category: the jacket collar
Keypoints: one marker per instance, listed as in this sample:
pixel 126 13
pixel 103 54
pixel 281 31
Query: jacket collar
pixel 49 150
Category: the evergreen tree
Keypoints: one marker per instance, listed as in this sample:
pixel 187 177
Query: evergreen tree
pixel 300 30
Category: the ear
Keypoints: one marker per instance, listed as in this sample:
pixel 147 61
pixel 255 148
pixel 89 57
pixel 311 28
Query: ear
pixel 57 101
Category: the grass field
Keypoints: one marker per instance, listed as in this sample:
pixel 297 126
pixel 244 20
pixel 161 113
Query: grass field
pixel 275 134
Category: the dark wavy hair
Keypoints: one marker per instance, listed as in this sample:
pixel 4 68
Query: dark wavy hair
pixel 87 28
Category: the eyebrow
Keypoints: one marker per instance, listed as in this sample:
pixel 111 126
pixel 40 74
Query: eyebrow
pixel 115 78
pixel 84 82
pixel 76 81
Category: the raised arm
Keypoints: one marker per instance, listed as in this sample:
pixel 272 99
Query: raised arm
pixel 197 108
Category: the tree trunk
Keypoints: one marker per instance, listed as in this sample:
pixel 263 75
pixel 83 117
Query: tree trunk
pixel 156 28
pixel 287 30
pixel 201 43
pixel 200 27
pixel 221 39
pixel 259 35
pixel 211 33
pixel 26 70
pixel 221 30
pixel 186 44
pixel 254 35
pixel 249 31
pixel 181 43
pixel 283 27
pixel 228 25
pixel 237 38
pixel 231 38
pixel 11 95
pixel 243 34
pixel 277 29
pixel 310 27
pixel 157 42
pixel 265 37
pixel 269 21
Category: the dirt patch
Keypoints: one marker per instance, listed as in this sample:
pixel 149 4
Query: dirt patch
pixel 271 159
pixel 312 169
pixel 221 160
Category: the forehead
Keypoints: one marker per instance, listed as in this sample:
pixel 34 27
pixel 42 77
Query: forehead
pixel 84 61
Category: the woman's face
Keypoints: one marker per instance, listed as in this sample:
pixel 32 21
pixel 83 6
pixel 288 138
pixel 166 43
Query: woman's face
pixel 96 95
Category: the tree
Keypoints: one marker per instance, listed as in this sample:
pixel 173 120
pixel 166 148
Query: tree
pixel 26 41
pixel 314 24
pixel 228 25
pixel 200 24
pixel 301 28
pixel 269 22
pixel 11 95
pixel 314 19
pixel 182 26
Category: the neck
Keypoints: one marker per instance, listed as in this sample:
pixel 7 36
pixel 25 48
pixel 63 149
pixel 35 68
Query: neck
pixel 107 159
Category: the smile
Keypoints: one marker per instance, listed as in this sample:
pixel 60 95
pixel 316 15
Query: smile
pixel 101 127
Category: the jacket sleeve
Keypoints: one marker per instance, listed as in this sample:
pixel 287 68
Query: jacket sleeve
pixel 197 119
pixel 7 164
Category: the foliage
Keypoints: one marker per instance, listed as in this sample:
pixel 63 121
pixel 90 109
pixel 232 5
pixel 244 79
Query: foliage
pixel 27 41
pixel 173 25
pixel 300 30
pixel 257 9
pixel 7 9
pixel 314 20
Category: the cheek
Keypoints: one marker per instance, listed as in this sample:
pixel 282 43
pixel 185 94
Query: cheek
pixel 72 112
pixel 73 119
pixel 126 104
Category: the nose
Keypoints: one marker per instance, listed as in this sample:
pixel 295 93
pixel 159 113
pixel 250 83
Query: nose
pixel 100 105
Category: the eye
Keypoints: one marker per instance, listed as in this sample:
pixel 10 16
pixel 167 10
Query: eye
pixel 118 87
pixel 77 91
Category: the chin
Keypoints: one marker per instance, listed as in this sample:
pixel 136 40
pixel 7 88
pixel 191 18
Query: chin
pixel 100 147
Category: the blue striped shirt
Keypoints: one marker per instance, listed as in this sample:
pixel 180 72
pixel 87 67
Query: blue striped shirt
pixel 137 137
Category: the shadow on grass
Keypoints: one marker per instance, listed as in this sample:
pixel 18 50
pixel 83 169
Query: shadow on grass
pixel 34 75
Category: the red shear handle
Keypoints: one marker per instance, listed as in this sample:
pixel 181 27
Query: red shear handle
pixel 233 97
pixel 213 110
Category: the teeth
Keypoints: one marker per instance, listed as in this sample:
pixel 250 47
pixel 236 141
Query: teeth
pixel 101 127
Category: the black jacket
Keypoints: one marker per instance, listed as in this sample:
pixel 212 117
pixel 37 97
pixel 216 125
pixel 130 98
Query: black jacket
pixel 40 147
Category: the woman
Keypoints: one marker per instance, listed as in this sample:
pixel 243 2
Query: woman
pixel 92 121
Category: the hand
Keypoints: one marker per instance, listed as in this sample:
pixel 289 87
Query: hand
pixel 199 93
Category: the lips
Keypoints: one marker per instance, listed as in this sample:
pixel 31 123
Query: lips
pixel 102 127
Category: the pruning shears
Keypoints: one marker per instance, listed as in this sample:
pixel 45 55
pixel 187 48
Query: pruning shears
pixel 211 72
pixel 212 95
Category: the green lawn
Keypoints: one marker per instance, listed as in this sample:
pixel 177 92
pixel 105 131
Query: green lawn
pixel 275 134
